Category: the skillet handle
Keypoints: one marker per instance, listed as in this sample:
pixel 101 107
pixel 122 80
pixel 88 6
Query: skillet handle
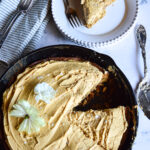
pixel 3 67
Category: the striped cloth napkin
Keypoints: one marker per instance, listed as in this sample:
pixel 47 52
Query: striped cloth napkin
pixel 27 30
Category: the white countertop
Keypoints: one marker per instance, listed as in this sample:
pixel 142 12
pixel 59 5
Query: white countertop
pixel 127 56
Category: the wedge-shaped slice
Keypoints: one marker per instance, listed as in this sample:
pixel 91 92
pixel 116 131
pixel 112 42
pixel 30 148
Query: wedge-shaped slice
pixel 94 10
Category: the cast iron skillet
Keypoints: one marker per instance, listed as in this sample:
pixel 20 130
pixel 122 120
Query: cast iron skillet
pixel 126 98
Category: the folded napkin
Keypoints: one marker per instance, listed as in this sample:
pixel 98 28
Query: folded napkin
pixel 27 30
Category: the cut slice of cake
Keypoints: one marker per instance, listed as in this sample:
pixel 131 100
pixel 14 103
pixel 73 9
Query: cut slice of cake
pixel 94 10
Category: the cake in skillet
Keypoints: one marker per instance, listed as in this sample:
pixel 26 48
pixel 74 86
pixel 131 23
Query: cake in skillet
pixel 41 109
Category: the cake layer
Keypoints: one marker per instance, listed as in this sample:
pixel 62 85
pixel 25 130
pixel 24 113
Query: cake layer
pixel 65 128
pixel 94 10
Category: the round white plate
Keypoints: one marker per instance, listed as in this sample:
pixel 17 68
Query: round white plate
pixel 119 18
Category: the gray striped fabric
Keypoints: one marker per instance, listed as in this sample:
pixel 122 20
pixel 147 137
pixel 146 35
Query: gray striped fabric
pixel 26 31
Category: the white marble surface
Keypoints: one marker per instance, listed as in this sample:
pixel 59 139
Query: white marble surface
pixel 127 56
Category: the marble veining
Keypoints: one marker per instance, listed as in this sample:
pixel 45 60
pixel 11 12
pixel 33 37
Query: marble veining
pixel 127 56
pixel 143 2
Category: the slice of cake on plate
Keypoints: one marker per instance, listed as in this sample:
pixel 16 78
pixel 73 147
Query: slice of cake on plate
pixel 94 10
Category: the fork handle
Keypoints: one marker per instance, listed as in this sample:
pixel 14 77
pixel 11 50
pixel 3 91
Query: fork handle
pixel 141 36
pixel 144 60
pixel 67 2
pixel 4 32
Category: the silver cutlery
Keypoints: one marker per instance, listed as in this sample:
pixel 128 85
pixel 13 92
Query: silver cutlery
pixel 71 15
pixel 23 7
pixel 143 91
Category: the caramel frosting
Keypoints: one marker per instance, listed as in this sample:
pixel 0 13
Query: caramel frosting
pixel 65 128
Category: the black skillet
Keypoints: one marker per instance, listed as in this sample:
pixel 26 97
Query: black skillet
pixel 124 95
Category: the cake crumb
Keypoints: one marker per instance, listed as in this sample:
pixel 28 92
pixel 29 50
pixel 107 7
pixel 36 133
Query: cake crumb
pixel 40 77
pixel 22 87
pixel 25 142
pixel 97 117
pixel 52 125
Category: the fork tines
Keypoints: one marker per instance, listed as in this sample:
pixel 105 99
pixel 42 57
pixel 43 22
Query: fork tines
pixel 71 15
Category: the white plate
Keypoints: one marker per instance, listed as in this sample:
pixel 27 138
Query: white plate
pixel 119 18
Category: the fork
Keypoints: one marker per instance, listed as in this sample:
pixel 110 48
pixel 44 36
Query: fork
pixel 71 15
pixel 23 7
